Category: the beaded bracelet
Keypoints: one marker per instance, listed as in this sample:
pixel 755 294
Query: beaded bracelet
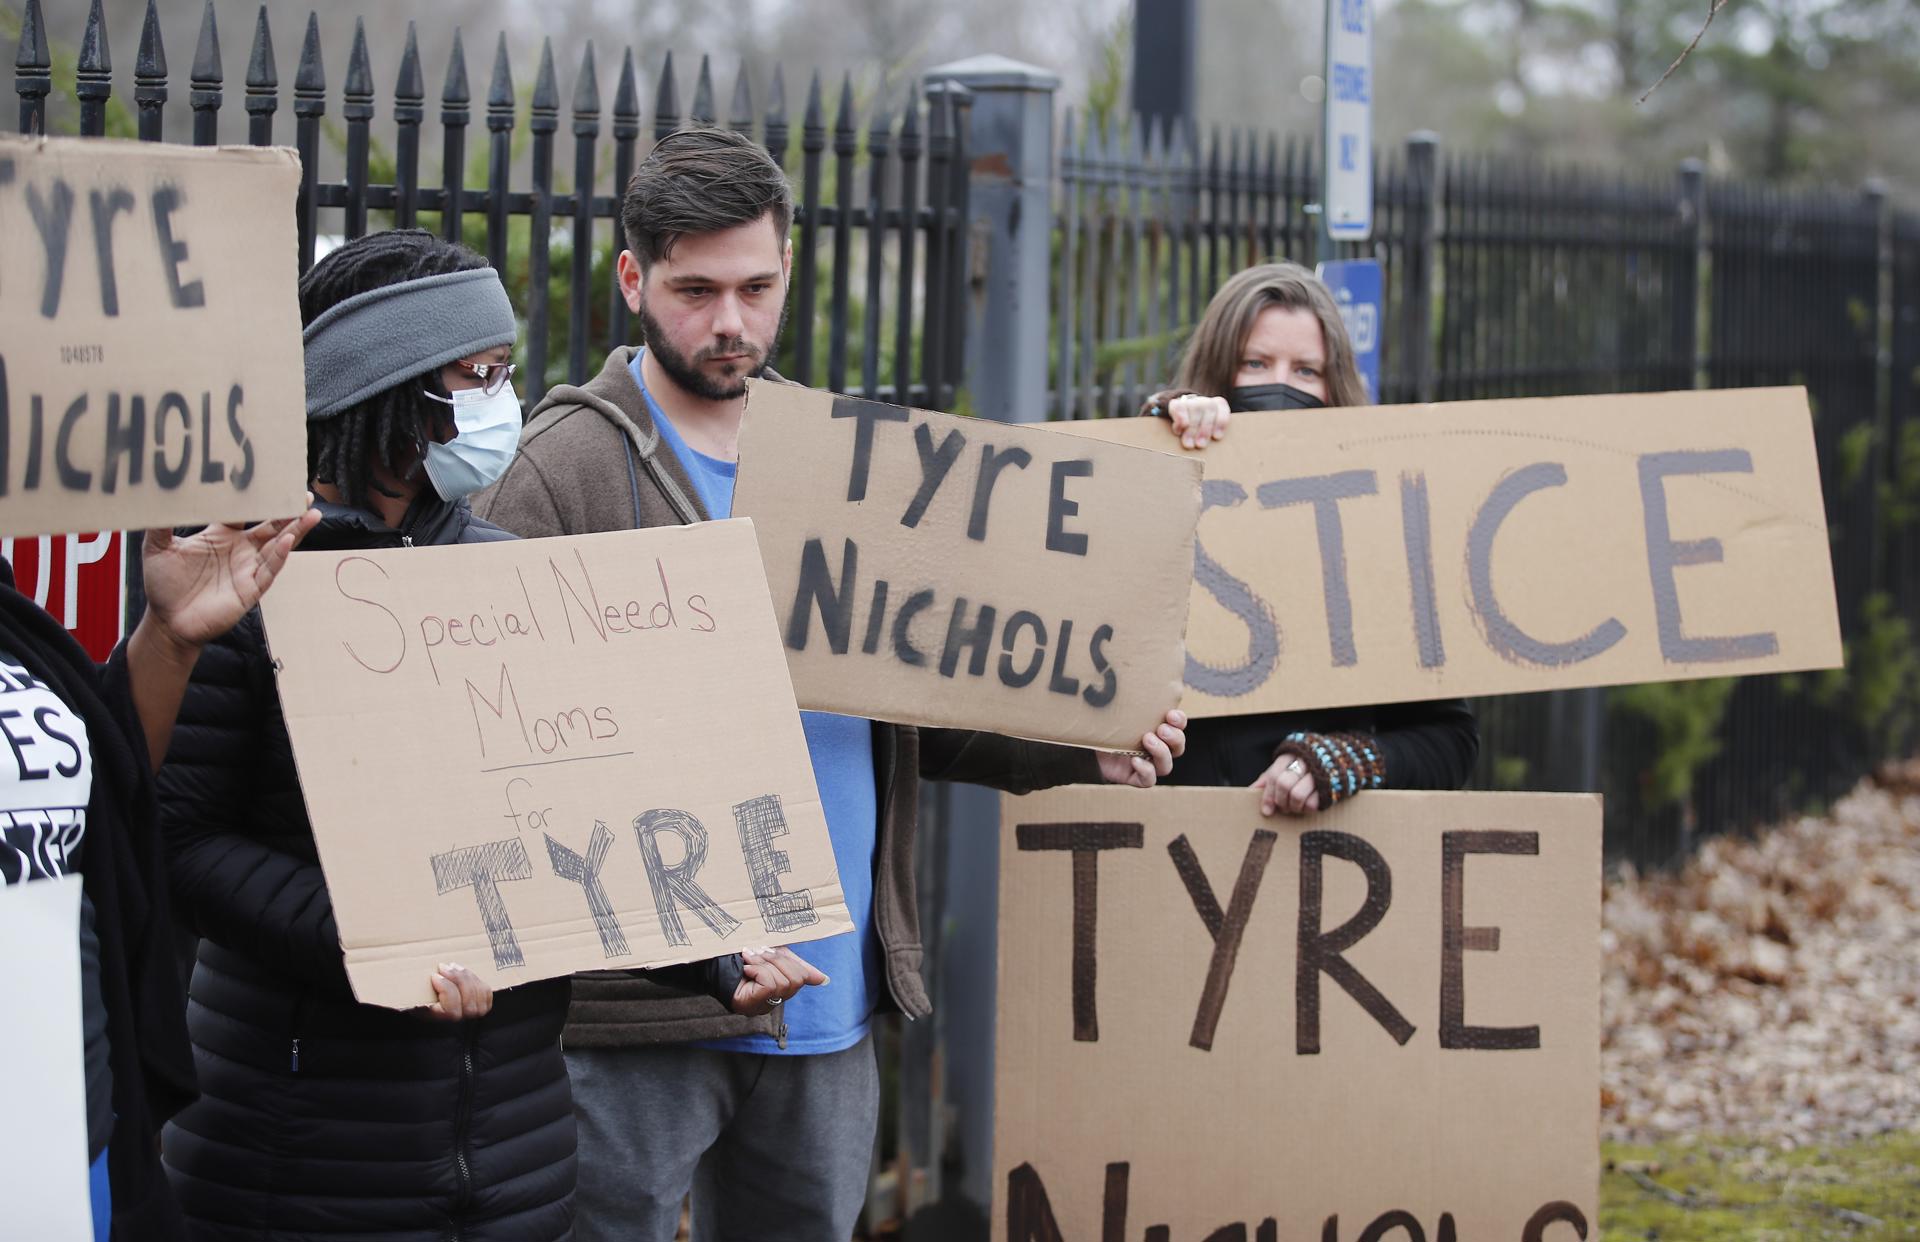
pixel 1341 764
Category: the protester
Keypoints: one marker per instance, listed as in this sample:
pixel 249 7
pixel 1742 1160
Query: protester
pixel 78 797
pixel 1273 339
pixel 769 1122
pixel 321 1116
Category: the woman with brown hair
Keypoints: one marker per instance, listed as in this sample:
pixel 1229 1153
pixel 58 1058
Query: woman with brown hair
pixel 1273 339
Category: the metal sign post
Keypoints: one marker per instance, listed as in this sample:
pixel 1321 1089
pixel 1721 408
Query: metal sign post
pixel 1346 183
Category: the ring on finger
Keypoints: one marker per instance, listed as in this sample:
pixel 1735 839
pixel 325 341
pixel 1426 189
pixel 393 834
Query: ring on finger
pixel 1296 767
pixel 778 1000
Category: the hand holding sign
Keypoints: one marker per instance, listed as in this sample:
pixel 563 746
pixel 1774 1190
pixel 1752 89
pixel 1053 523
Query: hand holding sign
pixel 769 977
pixel 1163 744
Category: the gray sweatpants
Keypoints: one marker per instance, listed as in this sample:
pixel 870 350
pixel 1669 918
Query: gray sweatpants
pixel 774 1148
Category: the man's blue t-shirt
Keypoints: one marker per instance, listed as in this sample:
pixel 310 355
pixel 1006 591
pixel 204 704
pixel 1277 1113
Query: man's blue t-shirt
pixel 834 1017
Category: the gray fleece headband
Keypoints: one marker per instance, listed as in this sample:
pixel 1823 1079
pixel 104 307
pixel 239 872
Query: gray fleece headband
pixel 385 336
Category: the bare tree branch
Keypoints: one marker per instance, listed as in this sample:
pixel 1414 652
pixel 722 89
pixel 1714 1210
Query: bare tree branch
pixel 1688 50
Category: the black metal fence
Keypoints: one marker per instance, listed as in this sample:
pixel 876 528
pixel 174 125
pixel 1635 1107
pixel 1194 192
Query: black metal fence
pixel 1502 280
pixel 1507 279
pixel 879 238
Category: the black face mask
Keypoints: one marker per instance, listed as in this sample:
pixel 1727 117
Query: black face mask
pixel 1271 397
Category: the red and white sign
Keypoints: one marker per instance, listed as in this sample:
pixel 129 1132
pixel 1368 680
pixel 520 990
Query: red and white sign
pixel 80 579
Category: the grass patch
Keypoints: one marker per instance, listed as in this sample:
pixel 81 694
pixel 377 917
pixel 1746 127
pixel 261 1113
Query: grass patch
pixel 1726 1189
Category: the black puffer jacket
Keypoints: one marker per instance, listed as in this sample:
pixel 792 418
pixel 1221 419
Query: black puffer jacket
pixel 321 1117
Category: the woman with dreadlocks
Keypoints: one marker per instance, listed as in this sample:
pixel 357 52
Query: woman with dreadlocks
pixel 320 1116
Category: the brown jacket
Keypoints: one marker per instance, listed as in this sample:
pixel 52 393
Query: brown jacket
pixel 590 460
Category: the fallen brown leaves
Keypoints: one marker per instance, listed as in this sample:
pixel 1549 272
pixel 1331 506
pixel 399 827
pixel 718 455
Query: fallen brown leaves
pixel 1771 989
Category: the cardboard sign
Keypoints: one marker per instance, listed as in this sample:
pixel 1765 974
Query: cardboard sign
pixel 1323 1028
pixel 948 571
pixel 540 757
pixel 43 1128
pixel 1496 547
pixel 150 364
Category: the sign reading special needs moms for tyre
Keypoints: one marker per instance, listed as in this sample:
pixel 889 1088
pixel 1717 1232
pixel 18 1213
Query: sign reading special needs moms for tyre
pixel 151 371
pixel 1497 547
pixel 935 570
pixel 1378 1022
pixel 527 756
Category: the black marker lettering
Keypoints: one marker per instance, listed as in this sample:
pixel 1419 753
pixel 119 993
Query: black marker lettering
pixel 992 462
pixel 52 220
pixel 864 414
pixel 1324 493
pixel 761 822
pixel 212 469
pixel 1059 508
pixel 903 648
pixel 36 443
pixel 166 200
pixel 817 588
pixel 1058 681
pixel 171 477
pixel 105 207
pixel 1557 1212
pixel 675 886
pixel 1016 677
pixel 72 477
pixel 483 868
pixel 934 464
pixel 876 618
pixel 1664 555
pixel 1226 929
pixel 1109 679
pixel 6 431
pixel 1085 841
pixel 1396 1219
pixel 126 442
pixel 1263 632
pixel 1508 640
pixel 243 473
pixel 961 637
pixel 1457 939
pixel 1320 951
pixel 585 871
pixel 1416 528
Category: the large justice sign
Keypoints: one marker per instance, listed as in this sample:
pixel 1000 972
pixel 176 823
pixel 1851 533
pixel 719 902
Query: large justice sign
pixel 1495 547
pixel 548 756
pixel 950 571
pixel 1381 1022
pixel 150 366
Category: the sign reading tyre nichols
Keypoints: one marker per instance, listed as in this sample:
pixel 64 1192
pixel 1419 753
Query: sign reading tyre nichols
pixel 1379 1022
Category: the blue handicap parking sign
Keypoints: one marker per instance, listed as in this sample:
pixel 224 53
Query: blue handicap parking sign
pixel 1360 291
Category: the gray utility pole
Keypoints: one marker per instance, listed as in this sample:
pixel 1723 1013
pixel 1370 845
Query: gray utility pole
pixel 1166 48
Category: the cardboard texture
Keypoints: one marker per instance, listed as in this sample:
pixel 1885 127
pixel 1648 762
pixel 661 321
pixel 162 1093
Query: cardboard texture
pixel 540 757
pixel 1496 547
pixel 935 570
pixel 1160 1063
pixel 150 366
pixel 43 1128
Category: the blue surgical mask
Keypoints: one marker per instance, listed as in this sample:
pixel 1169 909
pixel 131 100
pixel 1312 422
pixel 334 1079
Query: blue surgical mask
pixel 486 434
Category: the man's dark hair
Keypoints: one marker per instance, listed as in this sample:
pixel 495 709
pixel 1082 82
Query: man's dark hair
pixel 391 425
pixel 701 181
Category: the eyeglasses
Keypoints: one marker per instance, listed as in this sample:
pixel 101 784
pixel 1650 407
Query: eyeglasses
pixel 493 376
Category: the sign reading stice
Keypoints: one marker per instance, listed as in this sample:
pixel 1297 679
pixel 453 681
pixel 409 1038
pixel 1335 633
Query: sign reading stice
pixel 1384 555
